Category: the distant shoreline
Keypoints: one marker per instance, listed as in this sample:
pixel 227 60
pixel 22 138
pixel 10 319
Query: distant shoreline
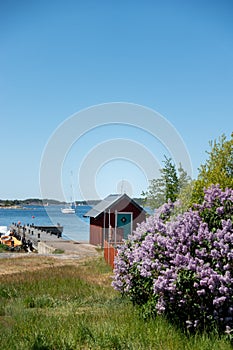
pixel 21 204
pixel 11 207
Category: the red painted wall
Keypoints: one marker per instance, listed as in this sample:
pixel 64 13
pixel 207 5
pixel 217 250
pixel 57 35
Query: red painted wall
pixel 109 254
pixel 96 235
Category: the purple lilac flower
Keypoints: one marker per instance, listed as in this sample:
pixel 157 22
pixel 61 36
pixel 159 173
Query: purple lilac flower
pixel 187 261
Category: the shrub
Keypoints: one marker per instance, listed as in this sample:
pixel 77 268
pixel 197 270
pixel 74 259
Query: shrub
pixel 182 266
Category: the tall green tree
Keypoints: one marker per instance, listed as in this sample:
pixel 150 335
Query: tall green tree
pixel 170 178
pixel 218 168
pixel 167 187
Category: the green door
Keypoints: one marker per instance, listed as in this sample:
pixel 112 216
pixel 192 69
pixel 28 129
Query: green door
pixel 124 222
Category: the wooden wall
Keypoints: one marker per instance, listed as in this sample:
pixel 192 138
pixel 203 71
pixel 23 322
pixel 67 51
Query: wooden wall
pixel 109 253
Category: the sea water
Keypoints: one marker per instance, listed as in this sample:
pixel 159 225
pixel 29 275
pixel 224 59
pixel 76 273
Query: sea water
pixel 75 226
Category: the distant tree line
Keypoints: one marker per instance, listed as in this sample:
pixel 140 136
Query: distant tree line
pixel 29 201
pixel 9 203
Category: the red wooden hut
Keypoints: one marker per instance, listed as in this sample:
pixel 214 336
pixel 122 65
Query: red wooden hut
pixel 114 218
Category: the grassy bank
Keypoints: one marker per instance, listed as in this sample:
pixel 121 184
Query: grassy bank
pixel 75 307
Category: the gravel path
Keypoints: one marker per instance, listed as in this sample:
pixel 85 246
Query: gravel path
pixel 74 248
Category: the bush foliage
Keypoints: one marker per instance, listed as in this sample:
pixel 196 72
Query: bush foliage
pixel 217 169
pixel 182 266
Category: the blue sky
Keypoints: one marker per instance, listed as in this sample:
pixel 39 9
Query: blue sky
pixel 61 57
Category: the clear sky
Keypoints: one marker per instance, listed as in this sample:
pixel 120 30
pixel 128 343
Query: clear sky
pixel 61 57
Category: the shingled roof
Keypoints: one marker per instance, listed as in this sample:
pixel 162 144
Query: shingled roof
pixel 106 204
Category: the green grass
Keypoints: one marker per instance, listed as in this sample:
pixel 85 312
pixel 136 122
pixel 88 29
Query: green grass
pixel 75 307
pixel 58 251
pixel 3 248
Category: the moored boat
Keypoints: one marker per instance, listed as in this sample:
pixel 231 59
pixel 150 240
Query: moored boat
pixel 68 210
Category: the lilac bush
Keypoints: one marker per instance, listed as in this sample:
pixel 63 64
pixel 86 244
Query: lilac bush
pixel 182 267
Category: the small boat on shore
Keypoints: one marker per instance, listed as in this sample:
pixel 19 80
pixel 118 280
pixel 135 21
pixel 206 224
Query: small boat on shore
pixel 10 241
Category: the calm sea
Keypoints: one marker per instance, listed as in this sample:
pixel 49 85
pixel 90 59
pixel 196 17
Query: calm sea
pixel 76 227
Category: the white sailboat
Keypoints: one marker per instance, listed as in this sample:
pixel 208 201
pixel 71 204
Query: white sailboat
pixel 68 210
pixel 71 208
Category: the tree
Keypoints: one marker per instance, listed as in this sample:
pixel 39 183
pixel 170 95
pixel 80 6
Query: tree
pixel 218 168
pixel 167 187
pixel 170 178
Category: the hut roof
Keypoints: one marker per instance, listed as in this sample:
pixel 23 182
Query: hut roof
pixel 107 203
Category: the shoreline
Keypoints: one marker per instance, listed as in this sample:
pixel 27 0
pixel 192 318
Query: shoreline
pixel 49 243
pixel 11 207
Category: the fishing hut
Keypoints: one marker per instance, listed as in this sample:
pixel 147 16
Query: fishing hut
pixel 112 220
